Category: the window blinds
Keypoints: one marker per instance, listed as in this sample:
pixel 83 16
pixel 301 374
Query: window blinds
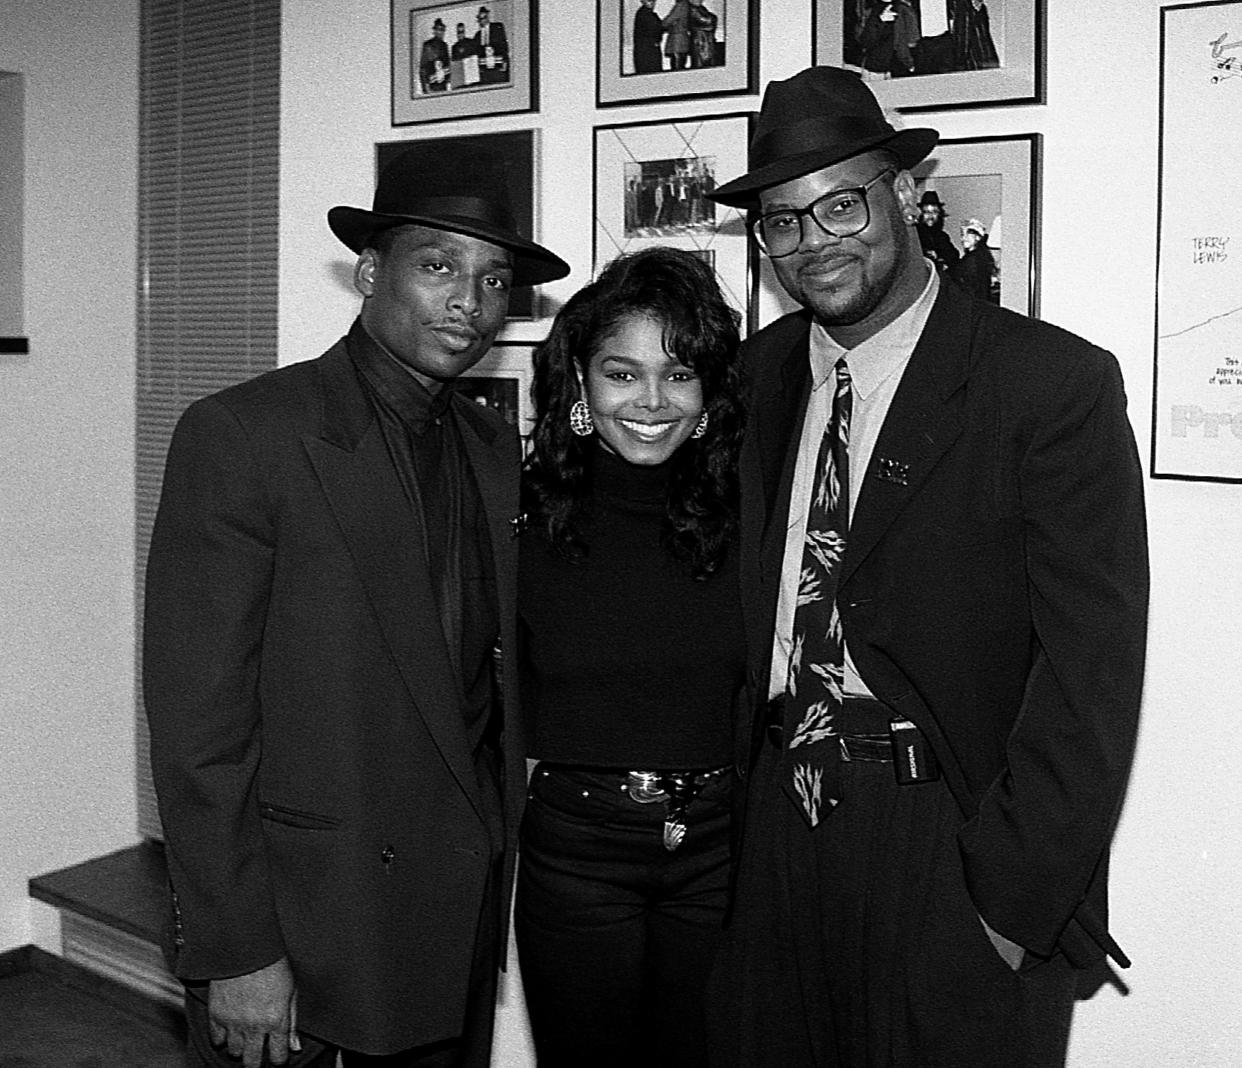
pixel 208 183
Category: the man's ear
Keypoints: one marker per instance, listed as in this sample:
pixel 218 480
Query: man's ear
pixel 907 195
pixel 365 270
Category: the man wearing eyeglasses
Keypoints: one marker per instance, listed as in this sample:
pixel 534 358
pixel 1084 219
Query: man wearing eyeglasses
pixel 945 570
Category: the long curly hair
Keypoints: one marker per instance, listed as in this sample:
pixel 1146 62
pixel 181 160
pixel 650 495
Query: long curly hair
pixel 678 290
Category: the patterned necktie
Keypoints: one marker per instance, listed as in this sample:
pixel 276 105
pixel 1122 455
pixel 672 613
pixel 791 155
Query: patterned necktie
pixel 817 659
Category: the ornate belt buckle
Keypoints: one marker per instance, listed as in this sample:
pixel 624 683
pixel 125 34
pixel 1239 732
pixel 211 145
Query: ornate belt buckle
pixel 644 787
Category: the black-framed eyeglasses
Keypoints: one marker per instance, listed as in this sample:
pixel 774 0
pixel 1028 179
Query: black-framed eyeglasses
pixel 841 213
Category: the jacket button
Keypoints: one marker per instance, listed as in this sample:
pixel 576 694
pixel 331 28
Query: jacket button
pixel 387 854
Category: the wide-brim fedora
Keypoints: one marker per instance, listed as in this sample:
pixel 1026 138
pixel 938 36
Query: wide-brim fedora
pixel 464 192
pixel 819 117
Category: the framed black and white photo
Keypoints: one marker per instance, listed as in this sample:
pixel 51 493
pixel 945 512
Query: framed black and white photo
pixel 457 60
pixel 936 54
pixel 987 192
pixel 501 381
pixel 653 50
pixel 651 181
pixel 518 149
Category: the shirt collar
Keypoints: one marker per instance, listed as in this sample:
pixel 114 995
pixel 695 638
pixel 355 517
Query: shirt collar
pixel 882 354
pixel 400 391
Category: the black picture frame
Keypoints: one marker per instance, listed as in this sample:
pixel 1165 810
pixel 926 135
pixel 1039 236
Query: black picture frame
pixel 952 69
pixel 501 380
pixel 468 82
pixel 996 181
pixel 1196 416
pixel 726 64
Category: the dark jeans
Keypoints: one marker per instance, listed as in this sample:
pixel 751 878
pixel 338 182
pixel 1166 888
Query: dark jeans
pixel 616 935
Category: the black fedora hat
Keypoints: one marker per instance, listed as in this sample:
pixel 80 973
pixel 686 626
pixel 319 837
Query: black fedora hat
pixel 818 117
pixel 930 196
pixel 465 192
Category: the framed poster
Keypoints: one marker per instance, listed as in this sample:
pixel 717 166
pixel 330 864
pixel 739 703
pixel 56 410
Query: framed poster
pixel 985 191
pixel 501 381
pixel 517 148
pixel 651 181
pixel 653 50
pixel 1197 400
pixel 457 60
pixel 920 55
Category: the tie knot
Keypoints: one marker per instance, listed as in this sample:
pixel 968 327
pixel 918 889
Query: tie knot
pixel 843 374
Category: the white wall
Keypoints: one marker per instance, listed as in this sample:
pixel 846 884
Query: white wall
pixel 67 439
pixel 66 423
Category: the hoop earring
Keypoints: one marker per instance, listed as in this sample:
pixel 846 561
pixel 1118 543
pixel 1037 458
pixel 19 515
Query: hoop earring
pixel 701 427
pixel 580 421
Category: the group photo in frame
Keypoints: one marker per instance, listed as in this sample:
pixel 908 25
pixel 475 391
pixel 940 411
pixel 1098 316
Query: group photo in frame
pixel 653 50
pixel 501 381
pixel 935 54
pixel 518 148
pixel 979 216
pixel 651 186
pixel 458 60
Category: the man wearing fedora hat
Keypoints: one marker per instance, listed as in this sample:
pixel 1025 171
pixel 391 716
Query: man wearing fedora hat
pixel 331 576
pixel 945 574
pixel 936 244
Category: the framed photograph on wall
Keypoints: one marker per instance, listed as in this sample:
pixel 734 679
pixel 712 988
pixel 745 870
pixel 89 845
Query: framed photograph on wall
pixel 979 198
pixel 1196 415
pixel 501 381
pixel 518 149
pixel 457 60
pixel 934 54
pixel 651 181
pixel 653 50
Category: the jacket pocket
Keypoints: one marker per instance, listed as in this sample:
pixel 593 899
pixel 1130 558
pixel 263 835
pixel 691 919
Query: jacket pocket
pixel 292 817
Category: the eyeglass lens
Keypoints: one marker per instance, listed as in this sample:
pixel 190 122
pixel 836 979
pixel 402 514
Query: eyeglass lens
pixel 841 213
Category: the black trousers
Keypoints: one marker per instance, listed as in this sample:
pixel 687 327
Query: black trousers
pixel 856 945
pixel 616 934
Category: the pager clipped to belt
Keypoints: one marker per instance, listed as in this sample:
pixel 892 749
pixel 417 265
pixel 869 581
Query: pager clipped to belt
pixel 913 759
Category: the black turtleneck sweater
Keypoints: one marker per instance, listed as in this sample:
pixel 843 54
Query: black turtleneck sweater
pixel 628 661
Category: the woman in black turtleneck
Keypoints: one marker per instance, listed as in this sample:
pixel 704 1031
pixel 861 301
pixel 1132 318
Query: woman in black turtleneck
pixel 632 660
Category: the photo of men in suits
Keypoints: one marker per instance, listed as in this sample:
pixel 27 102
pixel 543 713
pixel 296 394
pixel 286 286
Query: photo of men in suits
pixel 465 58
pixel 331 582
pixel 945 573
pixel 433 61
pixel 492 45
pixel 648 31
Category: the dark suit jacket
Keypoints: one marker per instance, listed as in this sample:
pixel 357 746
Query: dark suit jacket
pixel 498 40
pixel 994 590
pixel 316 784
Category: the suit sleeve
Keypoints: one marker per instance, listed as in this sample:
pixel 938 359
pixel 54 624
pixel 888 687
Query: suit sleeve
pixel 208 582
pixel 1043 826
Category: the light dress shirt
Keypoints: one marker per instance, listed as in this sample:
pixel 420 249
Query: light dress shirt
pixel 876 366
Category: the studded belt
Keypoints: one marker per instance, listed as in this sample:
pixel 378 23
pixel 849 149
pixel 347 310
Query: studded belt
pixel 678 788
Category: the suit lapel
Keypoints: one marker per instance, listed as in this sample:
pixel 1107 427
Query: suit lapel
pixel 386 542
pixel 494 460
pixel 779 410
pixel 925 418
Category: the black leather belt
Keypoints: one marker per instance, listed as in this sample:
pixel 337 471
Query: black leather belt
pixel 869 731
pixel 872 741
pixel 647 787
